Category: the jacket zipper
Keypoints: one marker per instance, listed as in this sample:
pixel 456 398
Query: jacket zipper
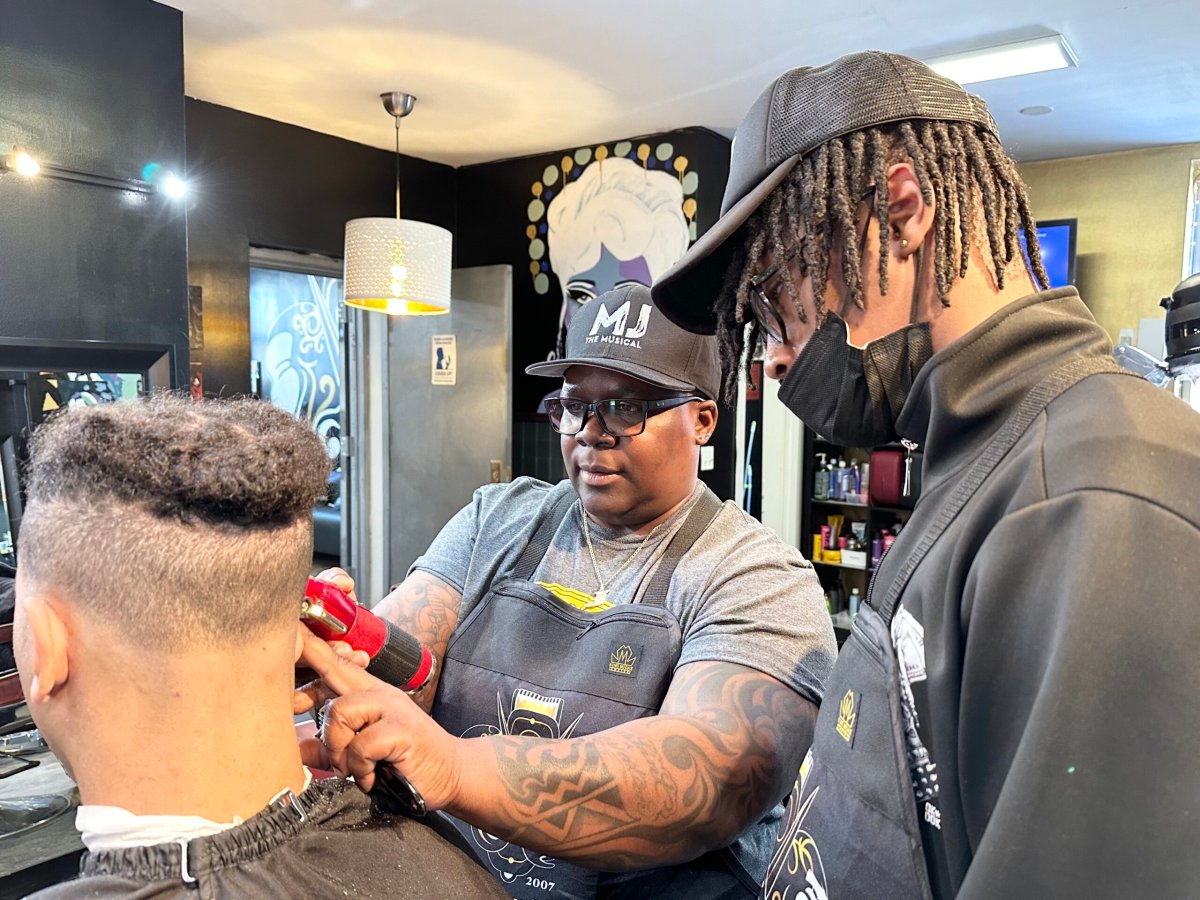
pixel 875 576
pixel 911 447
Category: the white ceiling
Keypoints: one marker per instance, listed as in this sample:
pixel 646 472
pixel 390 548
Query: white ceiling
pixel 503 78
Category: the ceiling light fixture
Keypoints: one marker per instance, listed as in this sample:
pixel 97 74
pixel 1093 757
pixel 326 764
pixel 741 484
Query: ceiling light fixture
pixel 1041 54
pixel 22 163
pixel 397 266
pixel 155 178
pixel 1036 110
pixel 174 186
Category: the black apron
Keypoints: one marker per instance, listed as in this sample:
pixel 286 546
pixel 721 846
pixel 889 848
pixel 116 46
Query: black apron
pixel 525 662
pixel 851 831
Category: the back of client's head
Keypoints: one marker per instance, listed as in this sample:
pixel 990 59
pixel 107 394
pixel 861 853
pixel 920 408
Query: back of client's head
pixel 161 566
pixel 185 526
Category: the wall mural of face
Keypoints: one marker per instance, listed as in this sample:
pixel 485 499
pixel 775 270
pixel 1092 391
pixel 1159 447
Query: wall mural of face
pixel 600 220
pixel 607 274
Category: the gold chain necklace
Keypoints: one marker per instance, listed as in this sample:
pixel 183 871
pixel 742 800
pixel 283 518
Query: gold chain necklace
pixel 601 596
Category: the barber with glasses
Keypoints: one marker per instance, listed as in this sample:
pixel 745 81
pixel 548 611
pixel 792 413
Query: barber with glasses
pixel 629 669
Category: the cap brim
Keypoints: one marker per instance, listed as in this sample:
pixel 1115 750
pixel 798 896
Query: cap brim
pixel 557 369
pixel 688 290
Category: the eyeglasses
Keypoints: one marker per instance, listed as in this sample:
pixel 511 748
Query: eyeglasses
pixel 764 302
pixel 763 305
pixel 624 417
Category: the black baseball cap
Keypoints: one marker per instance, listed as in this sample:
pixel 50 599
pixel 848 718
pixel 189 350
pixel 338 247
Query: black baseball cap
pixel 624 331
pixel 801 110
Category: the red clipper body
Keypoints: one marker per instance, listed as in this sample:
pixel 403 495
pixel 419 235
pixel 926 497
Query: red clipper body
pixel 396 656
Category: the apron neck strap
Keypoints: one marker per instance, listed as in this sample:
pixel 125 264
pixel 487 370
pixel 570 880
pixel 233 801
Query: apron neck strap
pixel 700 517
pixel 539 543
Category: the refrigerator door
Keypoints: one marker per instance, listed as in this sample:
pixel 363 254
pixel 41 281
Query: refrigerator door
pixel 447 439
pixel 426 429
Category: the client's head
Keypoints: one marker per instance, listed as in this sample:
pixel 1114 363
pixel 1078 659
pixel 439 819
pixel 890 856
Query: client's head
pixel 161 563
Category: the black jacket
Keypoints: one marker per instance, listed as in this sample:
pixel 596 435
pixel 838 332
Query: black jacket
pixel 1059 619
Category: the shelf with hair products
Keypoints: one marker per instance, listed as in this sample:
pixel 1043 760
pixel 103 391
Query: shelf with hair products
pixel 856 500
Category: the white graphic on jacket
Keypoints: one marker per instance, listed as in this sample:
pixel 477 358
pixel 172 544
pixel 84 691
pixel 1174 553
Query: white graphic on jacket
pixel 530 715
pixel 908 637
pixel 796 850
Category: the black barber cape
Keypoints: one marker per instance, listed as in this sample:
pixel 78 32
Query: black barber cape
pixel 334 848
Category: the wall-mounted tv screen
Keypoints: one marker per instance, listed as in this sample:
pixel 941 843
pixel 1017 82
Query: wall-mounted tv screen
pixel 1056 238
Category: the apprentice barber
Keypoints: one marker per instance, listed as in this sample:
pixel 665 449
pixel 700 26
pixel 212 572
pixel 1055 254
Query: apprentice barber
pixel 637 665
pixel 1014 714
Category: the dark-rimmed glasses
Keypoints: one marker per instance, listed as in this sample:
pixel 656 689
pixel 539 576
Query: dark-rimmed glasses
pixel 619 417
pixel 763 305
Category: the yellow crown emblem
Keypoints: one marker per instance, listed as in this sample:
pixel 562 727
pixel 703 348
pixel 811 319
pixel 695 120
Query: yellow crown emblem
pixel 622 660
pixel 846 717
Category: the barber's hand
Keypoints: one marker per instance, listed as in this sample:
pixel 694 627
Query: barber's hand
pixel 372 722
pixel 314 694
pixel 341 579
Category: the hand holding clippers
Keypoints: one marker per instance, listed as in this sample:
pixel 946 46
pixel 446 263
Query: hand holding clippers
pixel 396 656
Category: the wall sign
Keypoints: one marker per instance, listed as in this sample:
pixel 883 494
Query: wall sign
pixel 444 359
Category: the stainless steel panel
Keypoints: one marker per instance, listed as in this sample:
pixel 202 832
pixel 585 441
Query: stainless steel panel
pixel 444 439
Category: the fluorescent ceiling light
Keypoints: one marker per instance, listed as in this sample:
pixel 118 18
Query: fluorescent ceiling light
pixel 1006 60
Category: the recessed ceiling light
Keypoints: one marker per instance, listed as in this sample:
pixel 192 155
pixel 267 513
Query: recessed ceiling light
pixel 1006 60
pixel 1036 110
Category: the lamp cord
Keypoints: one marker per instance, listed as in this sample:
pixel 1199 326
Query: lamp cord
pixel 397 167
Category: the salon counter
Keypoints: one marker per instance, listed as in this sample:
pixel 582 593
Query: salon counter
pixel 48 853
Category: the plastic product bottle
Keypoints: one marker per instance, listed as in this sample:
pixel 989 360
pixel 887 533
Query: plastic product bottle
pixel 855 600
pixel 850 483
pixel 821 479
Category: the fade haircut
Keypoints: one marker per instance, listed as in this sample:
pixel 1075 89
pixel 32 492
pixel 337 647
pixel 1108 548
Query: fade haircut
pixel 186 524
pixel 961 168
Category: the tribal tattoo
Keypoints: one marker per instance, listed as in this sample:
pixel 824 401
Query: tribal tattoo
pixel 724 749
pixel 427 608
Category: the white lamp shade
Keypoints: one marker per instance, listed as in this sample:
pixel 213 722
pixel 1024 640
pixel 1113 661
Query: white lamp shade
pixel 398 267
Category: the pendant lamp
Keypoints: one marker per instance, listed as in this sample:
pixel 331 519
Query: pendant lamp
pixel 397 266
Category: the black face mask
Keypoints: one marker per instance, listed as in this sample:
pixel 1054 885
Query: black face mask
pixel 852 396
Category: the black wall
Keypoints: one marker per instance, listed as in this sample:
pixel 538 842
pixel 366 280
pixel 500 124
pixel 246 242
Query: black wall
pixel 493 199
pixel 492 203
pixel 268 184
pixel 96 86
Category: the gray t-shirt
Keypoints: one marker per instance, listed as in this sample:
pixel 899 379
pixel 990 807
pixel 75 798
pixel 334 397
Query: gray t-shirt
pixel 740 594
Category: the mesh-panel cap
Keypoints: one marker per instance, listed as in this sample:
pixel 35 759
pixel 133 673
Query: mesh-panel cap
pixel 623 331
pixel 799 112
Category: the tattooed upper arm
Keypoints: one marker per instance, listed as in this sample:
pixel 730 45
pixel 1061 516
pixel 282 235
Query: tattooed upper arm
pixel 427 608
pixel 758 729
pixel 664 789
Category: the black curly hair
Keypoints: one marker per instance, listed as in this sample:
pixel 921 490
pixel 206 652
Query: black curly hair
pixel 188 523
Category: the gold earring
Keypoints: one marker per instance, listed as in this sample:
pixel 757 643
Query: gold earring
pixel 903 243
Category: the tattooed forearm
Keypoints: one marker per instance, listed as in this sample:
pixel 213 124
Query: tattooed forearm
pixel 659 790
pixel 427 608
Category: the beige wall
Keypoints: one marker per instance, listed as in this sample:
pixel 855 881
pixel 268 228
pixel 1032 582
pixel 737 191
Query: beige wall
pixel 1132 211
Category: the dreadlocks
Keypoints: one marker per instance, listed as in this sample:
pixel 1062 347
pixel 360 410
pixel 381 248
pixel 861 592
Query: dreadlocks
pixel 816 204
